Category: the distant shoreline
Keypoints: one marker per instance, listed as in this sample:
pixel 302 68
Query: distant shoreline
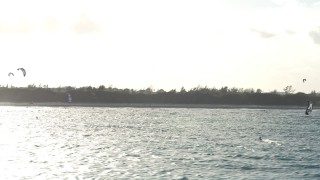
pixel 153 105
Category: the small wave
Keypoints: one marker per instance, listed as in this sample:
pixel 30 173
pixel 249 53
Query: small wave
pixel 317 175
pixel 271 142
pixel 255 157
pixel 307 166
pixel 284 158
pixel 247 167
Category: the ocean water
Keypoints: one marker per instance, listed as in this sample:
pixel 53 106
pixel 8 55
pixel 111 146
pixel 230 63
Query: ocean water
pixel 158 143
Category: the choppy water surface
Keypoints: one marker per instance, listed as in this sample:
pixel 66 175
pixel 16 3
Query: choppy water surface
pixel 158 143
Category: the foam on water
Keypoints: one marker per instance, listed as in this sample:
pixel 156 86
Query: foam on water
pixel 158 143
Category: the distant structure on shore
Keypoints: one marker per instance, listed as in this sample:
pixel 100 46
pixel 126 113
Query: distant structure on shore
pixel 69 98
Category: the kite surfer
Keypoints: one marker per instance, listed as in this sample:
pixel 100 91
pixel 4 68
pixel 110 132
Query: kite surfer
pixel 309 108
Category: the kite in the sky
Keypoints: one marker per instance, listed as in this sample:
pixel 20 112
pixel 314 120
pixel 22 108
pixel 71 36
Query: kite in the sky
pixel 304 80
pixel 23 71
pixel 10 74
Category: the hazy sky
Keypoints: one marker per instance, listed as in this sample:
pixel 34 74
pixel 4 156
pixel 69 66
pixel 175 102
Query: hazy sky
pixel 166 44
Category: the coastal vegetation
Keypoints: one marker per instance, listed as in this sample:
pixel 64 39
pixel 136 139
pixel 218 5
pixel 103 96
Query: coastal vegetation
pixel 197 95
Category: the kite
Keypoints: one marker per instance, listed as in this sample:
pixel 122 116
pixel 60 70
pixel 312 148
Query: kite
pixel 23 71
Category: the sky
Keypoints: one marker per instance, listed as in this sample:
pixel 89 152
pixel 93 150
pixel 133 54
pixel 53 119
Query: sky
pixel 162 44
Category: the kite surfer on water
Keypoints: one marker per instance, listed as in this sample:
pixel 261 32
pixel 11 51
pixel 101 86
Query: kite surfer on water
pixel 309 108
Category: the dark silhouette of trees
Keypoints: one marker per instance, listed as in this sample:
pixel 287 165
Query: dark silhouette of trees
pixel 197 95
pixel 101 88
pixel 288 90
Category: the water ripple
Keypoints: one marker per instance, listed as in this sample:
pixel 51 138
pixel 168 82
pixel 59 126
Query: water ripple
pixel 158 143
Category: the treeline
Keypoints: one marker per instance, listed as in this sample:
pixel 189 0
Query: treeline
pixel 198 95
